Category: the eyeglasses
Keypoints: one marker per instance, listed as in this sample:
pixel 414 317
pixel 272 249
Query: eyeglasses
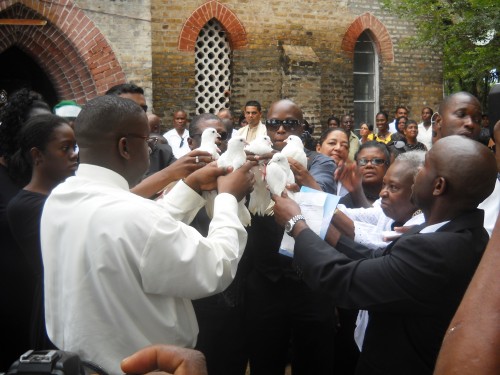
pixel 151 141
pixel 289 125
pixel 376 161
pixel 223 135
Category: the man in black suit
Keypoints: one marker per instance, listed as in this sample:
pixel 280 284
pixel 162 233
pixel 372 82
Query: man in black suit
pixel 413 289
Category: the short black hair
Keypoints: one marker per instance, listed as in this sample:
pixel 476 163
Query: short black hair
pixel 125 88
pixel 336 119
pixel 384 114
pixel 104 115
pixel 194 125
pixel 254 103
pixel 374 144
pixel 326 132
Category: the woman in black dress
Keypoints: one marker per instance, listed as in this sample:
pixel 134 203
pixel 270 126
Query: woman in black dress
pixel 21 105
pixel 46 154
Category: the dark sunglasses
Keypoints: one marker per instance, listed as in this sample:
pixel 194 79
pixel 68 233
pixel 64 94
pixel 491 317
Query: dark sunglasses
pixel 223 135
pixel 376 161
pixel 289 125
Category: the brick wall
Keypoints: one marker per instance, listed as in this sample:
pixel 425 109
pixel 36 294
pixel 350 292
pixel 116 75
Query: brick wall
pixel 69 48
pixel 413 78
pixel 127 27
pixel 90 45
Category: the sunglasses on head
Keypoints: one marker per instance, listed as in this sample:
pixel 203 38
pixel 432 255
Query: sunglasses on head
pixel 375 161
pixel 275 124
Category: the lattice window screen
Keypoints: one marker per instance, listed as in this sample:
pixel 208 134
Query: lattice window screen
pixel 213 74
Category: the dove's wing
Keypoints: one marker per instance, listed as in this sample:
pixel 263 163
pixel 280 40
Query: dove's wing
pixel 294 149
pixel 259 197
pixel 276 178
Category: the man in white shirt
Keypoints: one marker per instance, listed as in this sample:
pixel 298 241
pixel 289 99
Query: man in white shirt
pixel 460 114
pixel 177 137
pixel 425 128
pixel 253 114
pixel 120 270
pixel 401 111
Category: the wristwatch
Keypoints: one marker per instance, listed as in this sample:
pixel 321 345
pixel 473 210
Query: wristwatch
pixel 291 223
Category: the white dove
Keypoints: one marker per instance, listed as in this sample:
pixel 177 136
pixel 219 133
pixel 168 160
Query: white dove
pixel 235 157
pixel 208 138
pixel 259 197
pixel 295 149
pixel 278 174
pixel 260 145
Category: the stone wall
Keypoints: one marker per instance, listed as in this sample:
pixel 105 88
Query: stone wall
pixel 89 45
pixel 413 78
pixel 126 25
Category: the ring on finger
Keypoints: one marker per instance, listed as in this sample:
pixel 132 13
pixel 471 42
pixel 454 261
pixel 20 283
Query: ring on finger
pixel 196 159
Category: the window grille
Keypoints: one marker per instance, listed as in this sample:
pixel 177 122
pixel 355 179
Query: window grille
pixel 365 80
pixel 213 74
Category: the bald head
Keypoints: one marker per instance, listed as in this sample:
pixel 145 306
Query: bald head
pixel 225 114
pixel 286 107
pixel 468 167
pixel 154 123
pixel 459 114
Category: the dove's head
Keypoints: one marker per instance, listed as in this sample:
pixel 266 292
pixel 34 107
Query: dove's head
pixel 267 140
pixel 236 143
pixel 294 140
pixel 205 121
pixel 279 158
pixel 209 136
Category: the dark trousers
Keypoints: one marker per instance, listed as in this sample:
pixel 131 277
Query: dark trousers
pixel 287 322
pixel 222 336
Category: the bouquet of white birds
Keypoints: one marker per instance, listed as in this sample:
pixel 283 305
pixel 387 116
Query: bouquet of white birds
pixel 269 178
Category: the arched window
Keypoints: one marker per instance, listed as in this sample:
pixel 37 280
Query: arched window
pixel 365 80
pixel 213 73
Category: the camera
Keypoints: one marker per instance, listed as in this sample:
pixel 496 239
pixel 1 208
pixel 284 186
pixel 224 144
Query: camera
pixel 50 362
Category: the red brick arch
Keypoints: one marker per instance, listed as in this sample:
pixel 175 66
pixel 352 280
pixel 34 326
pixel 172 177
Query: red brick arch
pixel 236 33
pixel 382 39
pixel 70 48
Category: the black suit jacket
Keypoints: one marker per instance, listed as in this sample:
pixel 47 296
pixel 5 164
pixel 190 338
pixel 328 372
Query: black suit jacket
pixel 411 291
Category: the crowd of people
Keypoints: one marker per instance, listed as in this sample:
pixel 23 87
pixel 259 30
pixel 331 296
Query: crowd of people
pixel 108 246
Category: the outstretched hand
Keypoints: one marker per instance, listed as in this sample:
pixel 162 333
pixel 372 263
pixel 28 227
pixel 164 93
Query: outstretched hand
pixel 302 175
pixel 238 183
pixel 348 174
pixel 205 179
pixel 284 208
pixel 170 359
pixel 188 163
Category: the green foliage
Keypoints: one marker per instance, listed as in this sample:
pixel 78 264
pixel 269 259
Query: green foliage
pixel 458 29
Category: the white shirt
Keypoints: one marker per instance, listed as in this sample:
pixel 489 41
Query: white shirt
pixel 120 270
pixel 491 207
pixel 392 126
pixel 369 223
pixel 254 133
pixel 175 140
pixel 425 135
